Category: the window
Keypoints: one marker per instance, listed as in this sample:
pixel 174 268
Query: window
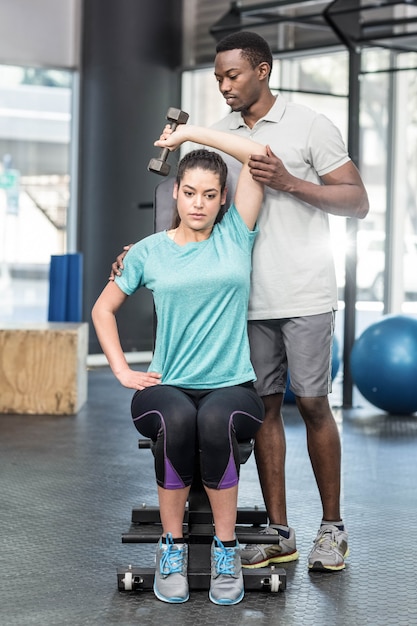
pixel 35 137
pixel 389 130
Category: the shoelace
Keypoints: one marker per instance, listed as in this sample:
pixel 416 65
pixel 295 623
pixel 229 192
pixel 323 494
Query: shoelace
pixel 326 538
pixel 267 531
pixel 224 560
pixel 172 560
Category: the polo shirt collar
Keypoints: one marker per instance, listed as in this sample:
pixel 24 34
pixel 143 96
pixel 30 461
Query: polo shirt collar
pixel 274 114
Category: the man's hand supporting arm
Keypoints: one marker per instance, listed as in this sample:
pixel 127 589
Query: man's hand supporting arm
pixel 342 193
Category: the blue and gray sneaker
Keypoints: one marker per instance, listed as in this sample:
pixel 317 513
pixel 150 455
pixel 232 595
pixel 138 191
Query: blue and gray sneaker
pixel 226 585
pixel 170 582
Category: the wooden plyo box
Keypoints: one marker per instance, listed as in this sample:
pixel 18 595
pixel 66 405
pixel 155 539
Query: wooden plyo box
pixel 43 368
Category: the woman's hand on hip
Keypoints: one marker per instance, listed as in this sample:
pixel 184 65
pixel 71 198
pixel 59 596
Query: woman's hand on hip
pixel 138 380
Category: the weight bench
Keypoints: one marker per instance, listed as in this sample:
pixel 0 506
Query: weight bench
pixel 198 533
pixel 198 522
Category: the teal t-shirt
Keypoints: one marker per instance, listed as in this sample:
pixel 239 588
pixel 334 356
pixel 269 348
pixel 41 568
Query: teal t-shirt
pixel 201 293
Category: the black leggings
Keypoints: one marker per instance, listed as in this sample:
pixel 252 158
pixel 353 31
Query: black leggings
pixel 182 421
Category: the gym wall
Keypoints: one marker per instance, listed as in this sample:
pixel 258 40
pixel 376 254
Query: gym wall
pixel 131 54
pixel 44 33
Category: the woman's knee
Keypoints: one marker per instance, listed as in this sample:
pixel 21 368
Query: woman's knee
pixel 168 416
pixel 160 408
pixel 234 408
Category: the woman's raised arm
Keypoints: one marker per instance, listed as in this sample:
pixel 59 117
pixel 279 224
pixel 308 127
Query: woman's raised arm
pixel 249 193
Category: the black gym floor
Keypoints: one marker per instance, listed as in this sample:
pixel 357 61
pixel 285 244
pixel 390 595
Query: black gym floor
pixel 68 486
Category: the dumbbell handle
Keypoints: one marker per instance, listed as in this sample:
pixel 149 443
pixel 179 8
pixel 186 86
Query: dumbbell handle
pixel 159 165
pixel 163 155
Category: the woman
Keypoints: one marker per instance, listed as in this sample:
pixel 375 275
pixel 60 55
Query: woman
pixel 198 394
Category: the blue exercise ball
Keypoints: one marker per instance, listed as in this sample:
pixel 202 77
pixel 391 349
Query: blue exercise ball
pixel 383 364
pixel 289 397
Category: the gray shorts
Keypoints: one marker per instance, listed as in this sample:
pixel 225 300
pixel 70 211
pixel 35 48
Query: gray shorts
pixel 300 345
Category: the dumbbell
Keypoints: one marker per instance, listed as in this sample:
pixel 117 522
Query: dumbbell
pixel 159 165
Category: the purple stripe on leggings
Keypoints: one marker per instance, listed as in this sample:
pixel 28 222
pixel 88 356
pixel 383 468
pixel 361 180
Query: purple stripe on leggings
pixel 230 477
pixel 172 479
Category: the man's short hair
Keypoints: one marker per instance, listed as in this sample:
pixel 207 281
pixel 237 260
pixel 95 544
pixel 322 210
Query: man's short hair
pixel 254 47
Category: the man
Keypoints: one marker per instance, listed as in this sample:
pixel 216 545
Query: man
pixel 308 174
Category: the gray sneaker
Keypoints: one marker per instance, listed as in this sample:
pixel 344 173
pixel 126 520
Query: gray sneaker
pixel 226 585
pixel 170 582
pixel 330 550
pixel 262 554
